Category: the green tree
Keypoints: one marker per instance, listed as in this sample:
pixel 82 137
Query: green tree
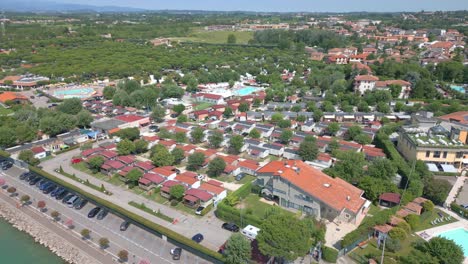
pixel 274 241
pixel 133 176
pixel 237 249
pixel 436 190
pixel 28 157
pixel 353 131
pixel 141 146
pixel 215 139
pixel 197 135
pixel 363 139
pixel 243 107
pixel 413 220
pixel 178 108
pixel 231 39
pixel 349 165
pixel 286 136
pixel 235 144
pixel 308 150
pixel 125 147
pixel 158 113
pixel 382 168
pixel 333 146
pixel 374 187
pixel 178 155
pixel 160 156
pixel 108 92
pixel 383 107
pixel 428 206
pixel 195 161
pixel 131 133
pixel 84 119
pixel 317 115
pixel 70 106
pixel 398 234
pixel 333 128
pixel 7 137
pixel 228 112
pixel 216 167
pixel 177 191
pixel 276 117
pixel 95 163
pixel 254 133
pixel 285 123
pixel 182 119
pixel 445 250
pixel 180 137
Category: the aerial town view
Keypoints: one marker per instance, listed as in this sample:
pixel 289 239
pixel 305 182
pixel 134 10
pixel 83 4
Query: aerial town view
pixel 237 132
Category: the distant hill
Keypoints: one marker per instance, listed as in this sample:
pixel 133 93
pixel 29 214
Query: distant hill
pixel 49 6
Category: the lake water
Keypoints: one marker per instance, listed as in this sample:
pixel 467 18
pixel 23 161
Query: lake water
pixel 19 248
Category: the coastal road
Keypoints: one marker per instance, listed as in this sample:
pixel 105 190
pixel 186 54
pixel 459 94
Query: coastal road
pixel 141 244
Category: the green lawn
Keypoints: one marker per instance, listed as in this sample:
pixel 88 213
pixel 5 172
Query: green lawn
pixel 83 168
pixel 218 37
pixel 427 217
pixel 230 178
pixel 202 106
pixel 253 205
pixel 5 111
pixel 155 196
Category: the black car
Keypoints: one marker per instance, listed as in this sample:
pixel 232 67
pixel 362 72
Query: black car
pixel 154 128
pixel 240 176
pixel 49 189
pixel 94 212
pixel 61 195
pixel 102 214
pixel 81 204
pixel 231 227
pixel 124 225
pixel 176 252
pixel 24 175
pixel 198 238
pixel 30 177
pixel 57 191
pixel 39 183
pixel 35 181
pixel 6 165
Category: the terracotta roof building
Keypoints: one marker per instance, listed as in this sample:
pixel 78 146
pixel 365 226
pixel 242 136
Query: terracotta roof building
pixel 299 186
pixel 17 98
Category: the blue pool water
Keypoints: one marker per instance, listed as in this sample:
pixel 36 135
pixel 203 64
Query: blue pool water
pixel 459 236
pixel 78 93
pixel 458 88
pixel 245 91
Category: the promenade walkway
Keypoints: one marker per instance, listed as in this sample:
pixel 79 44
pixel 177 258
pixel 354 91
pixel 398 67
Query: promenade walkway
pixel 453 192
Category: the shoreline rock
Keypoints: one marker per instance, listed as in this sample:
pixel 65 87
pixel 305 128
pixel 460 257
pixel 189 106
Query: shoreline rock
pixel 56 244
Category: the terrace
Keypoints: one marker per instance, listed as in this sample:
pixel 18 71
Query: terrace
pixel 425 140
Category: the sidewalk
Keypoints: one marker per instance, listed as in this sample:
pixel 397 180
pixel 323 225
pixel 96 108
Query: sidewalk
pixel 187 225
pixel 453 192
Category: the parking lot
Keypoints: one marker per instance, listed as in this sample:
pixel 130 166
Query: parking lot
pixel 140 243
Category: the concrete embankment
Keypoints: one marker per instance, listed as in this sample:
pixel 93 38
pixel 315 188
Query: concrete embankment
pixel 58 245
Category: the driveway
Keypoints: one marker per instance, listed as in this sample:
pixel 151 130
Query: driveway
pixel 187 225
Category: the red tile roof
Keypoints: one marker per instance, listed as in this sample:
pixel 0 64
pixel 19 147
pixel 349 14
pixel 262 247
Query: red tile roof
pixel 366 78
pixel 155 178
pixel 200 194
pixel 163 172
pixel 335 192
pixel 126 159
pixel 211 188
pixel 88 152
pixel 112 164
pixel 108 154
pixel 129 118
pixel 37 150
pixel 144 165
pixel 186 179
pixel 189 174
pixel 10 96
pixel 390 197
pixel 461 117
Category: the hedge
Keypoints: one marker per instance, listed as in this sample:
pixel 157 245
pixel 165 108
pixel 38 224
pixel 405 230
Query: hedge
pixel 87 183
pixel 4 154
pixel 243 191
pixel 329 254
pixel 143 207
pixel 185 242
pixel 66 150
pixel 207 209
pixel 231 214
pixel 459 210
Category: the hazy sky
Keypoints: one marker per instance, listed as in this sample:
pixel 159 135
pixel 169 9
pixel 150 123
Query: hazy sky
pixel 285 5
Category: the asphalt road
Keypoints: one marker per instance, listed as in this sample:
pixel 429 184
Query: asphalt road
pixel 141 244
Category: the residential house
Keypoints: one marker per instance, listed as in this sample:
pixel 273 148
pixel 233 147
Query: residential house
pixel 166 188
pixel 196 197
pixel 190 182
pixel 165 172
pixel 247 166
pixel 323 161
pixel 39 152
pixel 216 189
pixel 405 87
pixel 13 97
pixel 363 83
pixel 210 98
pixel 275 149
pixel 298 186
pixel 111 167
pixel 291 153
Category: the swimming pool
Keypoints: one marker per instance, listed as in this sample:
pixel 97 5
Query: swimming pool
pixel 74 93
pixel 459 236
pixel 458 88
pixel 245 91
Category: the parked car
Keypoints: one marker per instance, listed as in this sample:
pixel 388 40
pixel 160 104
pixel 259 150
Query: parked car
pixel 176 252
pixel 45 185
pixel 24 175
pixel 72 201
pixel 154 128
pixel 68 197
pixel 465 206
pixel 198 238
pixel 61 195
pixel 94 212
pixel 6 165
pixel 39 183
pixel 199 210
pixel 81 204
pixel 124 225
pixel 49 189
pixel 76 160
pixel 231 227
pixel 35 180
pixel 57 191
pixel 240 176
pixel 102 214
pixel 30 177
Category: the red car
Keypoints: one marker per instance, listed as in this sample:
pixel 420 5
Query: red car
pixel 76 160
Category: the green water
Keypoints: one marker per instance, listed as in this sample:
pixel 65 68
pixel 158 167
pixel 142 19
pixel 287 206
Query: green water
pixel 19 248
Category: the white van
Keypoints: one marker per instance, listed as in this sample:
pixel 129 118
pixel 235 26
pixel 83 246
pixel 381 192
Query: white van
pixel 72 200
pixel 250 232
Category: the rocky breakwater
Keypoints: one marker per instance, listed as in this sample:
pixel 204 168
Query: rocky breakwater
pixel 55 243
